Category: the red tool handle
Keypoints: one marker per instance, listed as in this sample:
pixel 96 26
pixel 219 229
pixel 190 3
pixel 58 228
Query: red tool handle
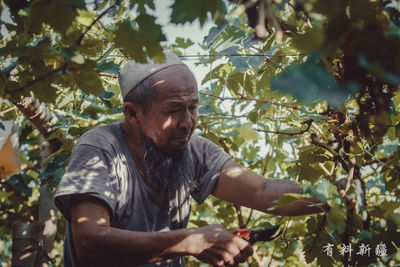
pixel 243 233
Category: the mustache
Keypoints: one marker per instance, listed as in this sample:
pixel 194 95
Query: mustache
pixel 183 132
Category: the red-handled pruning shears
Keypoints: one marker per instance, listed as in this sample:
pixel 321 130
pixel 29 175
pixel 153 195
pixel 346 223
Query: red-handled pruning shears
pixel 253 236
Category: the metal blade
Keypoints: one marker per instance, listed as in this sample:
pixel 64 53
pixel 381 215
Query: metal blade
pixel 267 234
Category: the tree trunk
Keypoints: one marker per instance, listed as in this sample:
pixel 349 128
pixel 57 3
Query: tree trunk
pixel 27 243
pixel 47 212
pixel 33 242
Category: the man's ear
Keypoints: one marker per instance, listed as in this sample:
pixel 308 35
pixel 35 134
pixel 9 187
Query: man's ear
pixel 130 110
pixel 132 113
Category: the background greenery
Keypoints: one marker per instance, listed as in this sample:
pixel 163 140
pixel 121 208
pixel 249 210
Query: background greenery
pixel 305 90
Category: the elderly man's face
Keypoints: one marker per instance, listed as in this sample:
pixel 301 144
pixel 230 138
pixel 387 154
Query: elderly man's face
pixel 172 115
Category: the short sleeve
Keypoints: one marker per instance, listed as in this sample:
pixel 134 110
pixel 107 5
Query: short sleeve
pixel 89 172
pixel 209 160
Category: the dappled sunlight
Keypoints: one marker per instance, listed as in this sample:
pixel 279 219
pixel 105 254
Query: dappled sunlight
pixel 26 255
pixel 119 170
pixel 101 221
pixel 159 82
pixel 95 163
pixel 84 180
pixel 82 219
pixel 167 123
pixel 50 227
pixel 234 171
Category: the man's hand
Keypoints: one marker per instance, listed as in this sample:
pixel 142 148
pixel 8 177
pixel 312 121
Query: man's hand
pixel 215 245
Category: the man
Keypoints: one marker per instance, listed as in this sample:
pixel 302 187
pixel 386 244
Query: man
pixel 126 191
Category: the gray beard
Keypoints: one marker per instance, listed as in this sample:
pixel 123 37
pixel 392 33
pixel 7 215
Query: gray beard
pixel 168 171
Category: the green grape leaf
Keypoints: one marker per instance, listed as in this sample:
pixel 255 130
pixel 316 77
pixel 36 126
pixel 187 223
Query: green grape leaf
pixel 188 10
pixel 310 41
pixel 44 90
pixel 43 12
pixel 109 67
pixel 310 83
pixel 128 40
pixel 142 5
pixel 183 43
pixel 152 35
pixel 239 62
pixel 247 132
pixel 133 41
pixel 88 79
pixel 287 199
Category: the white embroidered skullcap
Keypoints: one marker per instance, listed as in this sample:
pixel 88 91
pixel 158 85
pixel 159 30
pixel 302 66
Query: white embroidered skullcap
pixel 134 72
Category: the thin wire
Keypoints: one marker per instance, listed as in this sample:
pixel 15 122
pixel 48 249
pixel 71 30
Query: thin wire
pixel 243 55
pixel 231 55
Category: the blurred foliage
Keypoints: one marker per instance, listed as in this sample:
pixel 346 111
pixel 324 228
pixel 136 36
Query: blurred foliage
pixel 320 90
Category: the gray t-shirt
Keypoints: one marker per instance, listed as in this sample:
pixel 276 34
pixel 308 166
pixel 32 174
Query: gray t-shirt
pixel 101 165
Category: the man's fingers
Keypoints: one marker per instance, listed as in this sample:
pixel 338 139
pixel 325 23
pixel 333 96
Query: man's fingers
pixel 223 258
pixel 231 255
pixel 221 248
pixel 241 257
pixel 246 249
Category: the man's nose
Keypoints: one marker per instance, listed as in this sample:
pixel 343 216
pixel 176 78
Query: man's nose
pixel 187 120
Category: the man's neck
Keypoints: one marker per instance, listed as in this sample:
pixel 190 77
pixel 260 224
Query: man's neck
pixel 132 138
pixel 135 145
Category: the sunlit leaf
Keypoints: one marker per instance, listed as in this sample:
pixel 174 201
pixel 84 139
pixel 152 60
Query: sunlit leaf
pixel 183 43
pixel 287 199
pixel 247 132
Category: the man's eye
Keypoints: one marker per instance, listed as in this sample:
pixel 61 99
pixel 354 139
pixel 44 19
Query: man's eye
pixel 174 111
pixel 193 107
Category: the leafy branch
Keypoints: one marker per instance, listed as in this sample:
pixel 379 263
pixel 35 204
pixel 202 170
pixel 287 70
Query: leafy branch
pixel 42 118
pixel 32 82
pixel 308 123
pixel 114 76
pixel 80 39
pixel 316 141
pixel 350 175
pixel 271 17
pixel 7 110
pixel 381 160
pixel 298 237
pixel 269 156
pixel 318 232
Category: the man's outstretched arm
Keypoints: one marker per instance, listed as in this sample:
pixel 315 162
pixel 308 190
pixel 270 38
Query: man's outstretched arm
pixel 241 186
pixel 98 244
